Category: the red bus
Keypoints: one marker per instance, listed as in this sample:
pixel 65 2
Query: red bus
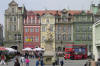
pixel 73 51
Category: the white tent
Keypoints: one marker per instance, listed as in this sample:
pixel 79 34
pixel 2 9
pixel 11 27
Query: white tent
pixel 38 49
pixel 27 49
pixel 11 50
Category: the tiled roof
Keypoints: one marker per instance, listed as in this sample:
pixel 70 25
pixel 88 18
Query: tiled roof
pixel 72 12
pixel 54 12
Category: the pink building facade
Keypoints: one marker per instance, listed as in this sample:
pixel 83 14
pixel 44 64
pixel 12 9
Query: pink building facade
pixel 31 30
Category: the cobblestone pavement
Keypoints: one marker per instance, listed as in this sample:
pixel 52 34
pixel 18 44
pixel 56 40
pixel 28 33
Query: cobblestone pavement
pixel 66 63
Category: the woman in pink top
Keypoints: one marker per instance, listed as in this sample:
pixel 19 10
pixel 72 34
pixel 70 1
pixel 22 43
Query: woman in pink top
pixel 27 61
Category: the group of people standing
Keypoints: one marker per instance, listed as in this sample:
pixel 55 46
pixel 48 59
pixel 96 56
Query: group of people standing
pixel 24 59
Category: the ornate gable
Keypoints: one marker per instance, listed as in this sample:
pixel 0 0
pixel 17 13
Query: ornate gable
pixel 13 3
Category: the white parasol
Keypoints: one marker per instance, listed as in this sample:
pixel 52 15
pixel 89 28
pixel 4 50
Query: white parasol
pixel 38 49
pixel 27 49
pixel 11 50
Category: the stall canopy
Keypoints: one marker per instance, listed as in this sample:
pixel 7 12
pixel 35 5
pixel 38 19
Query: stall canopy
pixel 38 49
pixel 11 50
pixel 3 49
pixel 27 49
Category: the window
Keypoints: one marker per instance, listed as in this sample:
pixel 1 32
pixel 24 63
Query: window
pixel 83 37
pixel 33 20
pixel 51 28
pixel 31 38
pixel 12 10
pixel 77 28
pixel 83 18
pixel 59 37
pixel 43 38
pixel 64 19
pixel 77 18
pixel 78 37
pixel 29 21
pixel 58 28
pixel 47 20
pixel 89 18
pixel 89 37
pixel 69 28
pixel 14 18
pixel 83 27
pixel 14 27
pixel 36 38
pixel 37 29
pixel 56 36
pixel 43 28
pixel 31 30
pixel 64 37
pixel 69 36
pixel 64 28
pixel 89 28
pixel 26 29
pixel 11 19
pixel 17 36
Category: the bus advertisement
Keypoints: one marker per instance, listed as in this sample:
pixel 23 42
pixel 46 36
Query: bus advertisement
pixel 73 51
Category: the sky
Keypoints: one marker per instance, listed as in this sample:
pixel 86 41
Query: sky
pixel 48 4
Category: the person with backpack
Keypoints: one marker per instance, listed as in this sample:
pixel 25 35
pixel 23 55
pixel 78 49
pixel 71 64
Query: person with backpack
pixel 38 61
pixel 62 62
pixel 41 62
pixel 16 62
pixel 23 60
pixel 27 61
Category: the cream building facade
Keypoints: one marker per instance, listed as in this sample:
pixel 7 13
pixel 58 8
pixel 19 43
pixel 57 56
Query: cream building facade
pixel 48 37
pixel 14 18
pixel 96 40
pixel 47 26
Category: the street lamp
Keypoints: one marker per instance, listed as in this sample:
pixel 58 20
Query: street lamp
pixel 61 41
pixel 61 44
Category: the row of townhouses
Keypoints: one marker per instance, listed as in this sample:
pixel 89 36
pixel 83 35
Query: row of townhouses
pixel 25 28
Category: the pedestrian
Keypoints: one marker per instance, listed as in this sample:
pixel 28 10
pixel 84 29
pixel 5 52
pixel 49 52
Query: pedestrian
pixel 26 54
pixel 38 61
pixel 57 60
pixel 62 62
pixel 23 60
pixel 53 61
pixel 98 62
pixel 16 63
pixel 27 61
pixel 3 58
pixel 42 63
pixel 88 63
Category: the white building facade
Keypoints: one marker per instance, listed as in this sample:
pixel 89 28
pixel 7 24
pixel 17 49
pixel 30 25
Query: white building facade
pixel 96 40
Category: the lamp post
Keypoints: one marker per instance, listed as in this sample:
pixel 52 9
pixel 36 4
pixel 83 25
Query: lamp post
pixel 61 44
pixel 61 41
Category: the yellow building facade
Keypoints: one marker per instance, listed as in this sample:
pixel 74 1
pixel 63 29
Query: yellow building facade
pixel 48 32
